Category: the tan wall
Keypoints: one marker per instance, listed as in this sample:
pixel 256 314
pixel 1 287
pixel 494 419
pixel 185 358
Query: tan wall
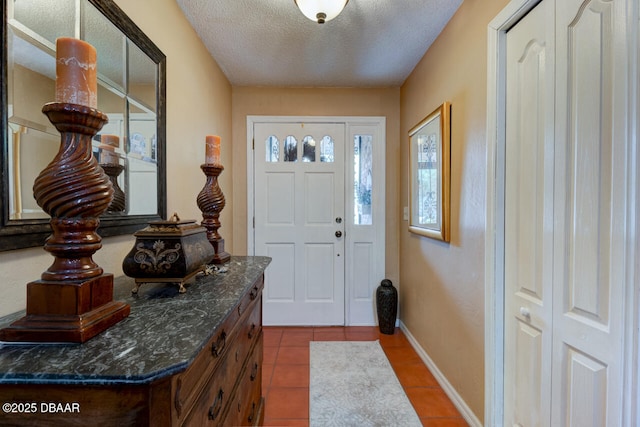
pixel 442 296
pixel 249 101
pixel 198 103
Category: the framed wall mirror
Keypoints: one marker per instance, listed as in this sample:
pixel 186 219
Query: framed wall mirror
pixel 131 92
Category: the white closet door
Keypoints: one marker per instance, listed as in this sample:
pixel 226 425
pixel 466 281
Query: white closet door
pixel 566 195
pixel 529 219
pixel 590 201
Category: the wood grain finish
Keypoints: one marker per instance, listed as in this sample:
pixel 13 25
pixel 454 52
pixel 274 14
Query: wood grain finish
pixel 211 202
pixel 203 394
pixel 73 300
pixel 220 386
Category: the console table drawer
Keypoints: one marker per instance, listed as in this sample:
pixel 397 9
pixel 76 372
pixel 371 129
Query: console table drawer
pixel 210 406
pixel 251 389
pixel 247 405
pixel 251 296
pixel 188 385
pixel 248 333
pixel 211 398
pixel 231 341
pixel 216 405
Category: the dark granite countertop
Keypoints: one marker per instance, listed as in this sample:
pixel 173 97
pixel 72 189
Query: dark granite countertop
pixel 162 335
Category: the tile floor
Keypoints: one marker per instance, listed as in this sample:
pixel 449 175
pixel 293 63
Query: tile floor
pixel 285 375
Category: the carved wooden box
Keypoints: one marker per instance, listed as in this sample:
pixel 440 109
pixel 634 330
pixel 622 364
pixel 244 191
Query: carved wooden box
pixel 170 251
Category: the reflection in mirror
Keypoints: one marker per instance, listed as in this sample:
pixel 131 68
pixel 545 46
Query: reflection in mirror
pixel 143 142
pixel 142 77
pixel 111 155
pixel 110 46
pixel 29 150
pixel 55 20
pixel 33 141
pixel 131 93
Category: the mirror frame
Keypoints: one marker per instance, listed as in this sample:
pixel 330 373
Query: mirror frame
pixel 17 234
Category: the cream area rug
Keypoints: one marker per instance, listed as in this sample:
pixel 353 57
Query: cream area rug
pixel 353 384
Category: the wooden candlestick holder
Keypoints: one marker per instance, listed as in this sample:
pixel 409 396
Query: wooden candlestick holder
pixel 113 170
pixel 73 301
pixel 211 202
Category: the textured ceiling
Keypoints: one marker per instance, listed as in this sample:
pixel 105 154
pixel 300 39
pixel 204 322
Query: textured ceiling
pixel 372 43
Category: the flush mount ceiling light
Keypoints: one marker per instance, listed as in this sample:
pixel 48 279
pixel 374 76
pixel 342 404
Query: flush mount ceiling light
pixel 321 11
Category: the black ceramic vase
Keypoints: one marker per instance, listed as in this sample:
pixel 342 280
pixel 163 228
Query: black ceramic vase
pixel 387 305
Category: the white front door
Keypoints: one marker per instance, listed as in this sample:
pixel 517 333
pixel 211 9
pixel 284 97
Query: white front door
pixel 565 211
pixel 299 217
pixel 319 212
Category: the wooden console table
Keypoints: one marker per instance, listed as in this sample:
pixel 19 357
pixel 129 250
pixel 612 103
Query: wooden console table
pixel 192 359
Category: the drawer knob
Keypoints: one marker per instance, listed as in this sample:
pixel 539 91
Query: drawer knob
pixel 218 346
pixel 214 410
pixel 252 414
pixel 254 372
pixel 251 331
pixel 254 293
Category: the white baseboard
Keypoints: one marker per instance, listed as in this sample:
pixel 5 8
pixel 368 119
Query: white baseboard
pixel 451 392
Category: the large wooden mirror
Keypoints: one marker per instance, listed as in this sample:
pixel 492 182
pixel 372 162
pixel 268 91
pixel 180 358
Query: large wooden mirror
pixel 131 91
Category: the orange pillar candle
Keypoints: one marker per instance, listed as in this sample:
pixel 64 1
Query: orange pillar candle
pixel 108 157
pixel 212 152
pixel 112 141
pixel 108 144
pixel 76 80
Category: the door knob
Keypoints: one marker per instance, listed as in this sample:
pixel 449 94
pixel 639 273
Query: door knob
pixel 338 233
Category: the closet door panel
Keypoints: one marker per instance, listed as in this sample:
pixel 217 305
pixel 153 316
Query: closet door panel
pixel 588 278
pixel 529 218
